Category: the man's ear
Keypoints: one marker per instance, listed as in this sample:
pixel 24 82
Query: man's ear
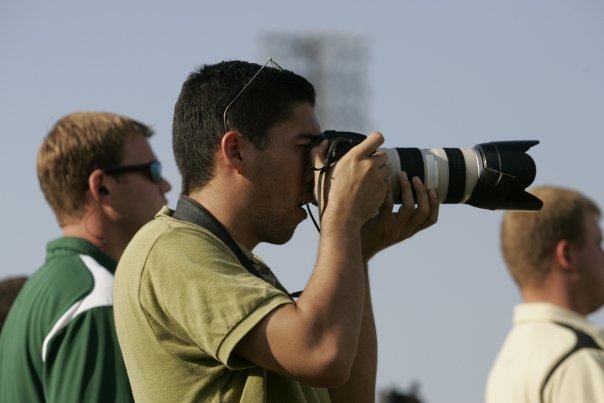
pixel 563 254
pixel 95 185
pixel 231 147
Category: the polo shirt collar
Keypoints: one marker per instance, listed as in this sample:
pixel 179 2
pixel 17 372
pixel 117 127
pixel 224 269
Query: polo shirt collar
pixel 80 246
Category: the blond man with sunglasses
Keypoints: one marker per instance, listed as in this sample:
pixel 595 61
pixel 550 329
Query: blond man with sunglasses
pixel 103 182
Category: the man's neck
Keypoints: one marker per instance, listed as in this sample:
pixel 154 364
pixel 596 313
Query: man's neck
pixel 559 297
pixel 109 245
pixel 228 211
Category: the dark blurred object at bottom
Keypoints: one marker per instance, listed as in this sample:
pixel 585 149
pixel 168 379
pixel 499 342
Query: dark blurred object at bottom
pixel 393 395
pixel 9 288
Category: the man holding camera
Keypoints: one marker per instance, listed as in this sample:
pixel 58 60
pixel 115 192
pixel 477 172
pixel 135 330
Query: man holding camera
pixel 553 354
pixel 198 315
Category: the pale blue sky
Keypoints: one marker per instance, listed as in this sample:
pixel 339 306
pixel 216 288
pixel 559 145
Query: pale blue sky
pixel 442 74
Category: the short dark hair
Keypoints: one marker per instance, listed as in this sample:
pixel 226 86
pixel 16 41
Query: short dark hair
pixel 198 124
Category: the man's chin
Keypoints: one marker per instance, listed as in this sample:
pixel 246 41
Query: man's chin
pixel 283 238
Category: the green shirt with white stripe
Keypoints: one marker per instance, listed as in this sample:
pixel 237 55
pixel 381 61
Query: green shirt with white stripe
pixel 58 343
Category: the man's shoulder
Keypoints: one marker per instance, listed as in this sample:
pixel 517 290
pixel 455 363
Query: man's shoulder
pixel 558 320
pixel 168 232
pixel 545 342
pixel 166 239
pixel 578 374
pixel 57 283
pixel 545 337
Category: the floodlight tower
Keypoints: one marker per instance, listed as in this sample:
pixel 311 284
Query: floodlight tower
pixel 336 64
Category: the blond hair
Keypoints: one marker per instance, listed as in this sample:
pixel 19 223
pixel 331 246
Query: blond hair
pixel 528 239
pixel 78 144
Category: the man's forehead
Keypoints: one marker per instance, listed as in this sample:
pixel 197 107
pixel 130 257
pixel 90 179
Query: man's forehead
pixel 302 124
pixel 137 149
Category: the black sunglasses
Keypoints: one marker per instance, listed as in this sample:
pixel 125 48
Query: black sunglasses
pixel 152 169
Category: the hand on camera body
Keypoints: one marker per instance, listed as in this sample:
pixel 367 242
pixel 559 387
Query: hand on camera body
pixel 353 188
pixel 358 187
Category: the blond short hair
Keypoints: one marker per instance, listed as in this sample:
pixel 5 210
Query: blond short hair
pixel 78 144
pixel 528 239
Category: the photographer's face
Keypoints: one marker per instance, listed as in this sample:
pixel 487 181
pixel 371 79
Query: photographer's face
pixel 282 176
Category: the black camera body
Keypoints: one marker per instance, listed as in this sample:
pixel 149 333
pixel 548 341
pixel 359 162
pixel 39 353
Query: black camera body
pixel 490 175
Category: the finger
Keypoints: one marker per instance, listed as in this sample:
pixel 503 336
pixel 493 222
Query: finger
pixel 424 221
pixel 368 146
pixel 407 204
pixel 421 195
pixel 434 209
pixel 422 209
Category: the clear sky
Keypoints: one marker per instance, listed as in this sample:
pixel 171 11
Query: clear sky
pixel 442 74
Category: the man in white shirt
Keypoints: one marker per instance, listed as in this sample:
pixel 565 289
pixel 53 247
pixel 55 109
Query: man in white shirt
pixel 553 354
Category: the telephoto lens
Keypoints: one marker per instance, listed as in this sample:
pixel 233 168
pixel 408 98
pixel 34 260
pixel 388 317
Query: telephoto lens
pixel 490 175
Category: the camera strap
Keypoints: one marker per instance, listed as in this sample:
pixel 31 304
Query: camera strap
pixel 189 210
pixel 583 340
pixel 333 155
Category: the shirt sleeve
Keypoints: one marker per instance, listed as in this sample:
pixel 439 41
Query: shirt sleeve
pixel 84 362
pixel 204 296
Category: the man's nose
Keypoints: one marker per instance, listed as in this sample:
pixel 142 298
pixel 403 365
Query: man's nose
pixel 309 174
pixel 164 186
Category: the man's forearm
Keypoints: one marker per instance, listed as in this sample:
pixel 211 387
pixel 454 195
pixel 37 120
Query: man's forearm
pixel 360 387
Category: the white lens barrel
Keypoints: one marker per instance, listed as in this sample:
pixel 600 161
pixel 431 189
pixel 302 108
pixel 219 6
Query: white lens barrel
pixel 437 171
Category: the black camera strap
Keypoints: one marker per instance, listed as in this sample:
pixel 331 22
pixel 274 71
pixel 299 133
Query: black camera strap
pixel 583 341
pixel 337 147
pixel 189 210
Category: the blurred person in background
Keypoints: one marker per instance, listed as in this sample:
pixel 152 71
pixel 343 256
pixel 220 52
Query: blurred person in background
pixel 553 354
pixel 103 182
